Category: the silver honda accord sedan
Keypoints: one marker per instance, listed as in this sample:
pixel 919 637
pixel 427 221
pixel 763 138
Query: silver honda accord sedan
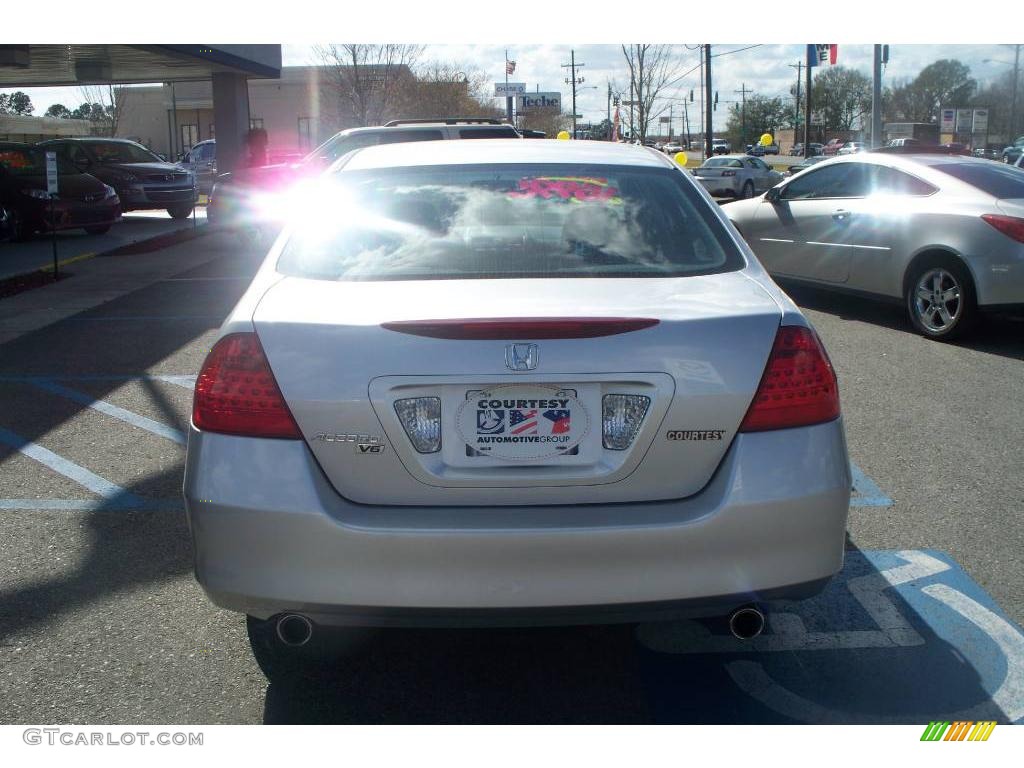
pixel 511 382
pixel 944 234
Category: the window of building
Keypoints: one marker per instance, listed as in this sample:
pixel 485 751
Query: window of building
pixel 189 135
pixel 305 133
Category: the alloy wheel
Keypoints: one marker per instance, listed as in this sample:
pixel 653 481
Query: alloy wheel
pixel 938 300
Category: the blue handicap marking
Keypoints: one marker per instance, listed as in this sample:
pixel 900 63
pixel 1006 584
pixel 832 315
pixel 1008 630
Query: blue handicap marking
pixel 897 637
pixel 866 492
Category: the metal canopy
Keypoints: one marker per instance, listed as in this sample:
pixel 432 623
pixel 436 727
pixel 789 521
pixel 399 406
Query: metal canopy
pixel 53 65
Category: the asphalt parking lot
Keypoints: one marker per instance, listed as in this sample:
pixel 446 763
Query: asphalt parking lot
pixel 102 622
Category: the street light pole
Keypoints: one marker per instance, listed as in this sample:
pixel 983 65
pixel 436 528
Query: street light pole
pixel 709 132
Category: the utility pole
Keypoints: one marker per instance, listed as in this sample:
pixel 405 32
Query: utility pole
pixel 796 115
pixel 609 105
pixel 709 132
pixel 743 114
pixel 573 66
pixel 807 108
pixel 1013 101
pixel 670 115
pixel 686 122
pixel 876 99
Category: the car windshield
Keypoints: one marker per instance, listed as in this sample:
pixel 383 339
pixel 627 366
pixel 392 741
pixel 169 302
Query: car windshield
pixel 722 162
pixel 121 152
pixel 1001 181
pixel 508 221
pixel 17 161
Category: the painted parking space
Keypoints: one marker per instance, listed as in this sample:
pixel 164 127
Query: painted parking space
pixel 898 637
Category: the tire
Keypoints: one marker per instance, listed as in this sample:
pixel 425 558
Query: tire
pixel 748 191
pixel 100 230
pixel 180 211
pixel 20 231
pixel 940 299
pixel 318 659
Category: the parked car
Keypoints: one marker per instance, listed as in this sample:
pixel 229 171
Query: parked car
pixel 852 148
pixel 759 150
pixel 904 142
pixel 82 201
pixel 738 176
pixel 942 233
pixel 989 152
pixel 956 148
pixel 451 402
pixel 832 147
pixel 201 160
pixel 803 165
pixel 672 148
pixel 1012 152
pixel 797 150
pixel 142 180
pixel 720 147
pixel 252 198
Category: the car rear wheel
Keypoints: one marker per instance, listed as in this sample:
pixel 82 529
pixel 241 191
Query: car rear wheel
pixel 101 230
pixel 940 299
pixel 748 190
pixel 19 228
pixel 180 211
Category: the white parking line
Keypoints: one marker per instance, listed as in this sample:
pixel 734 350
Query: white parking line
pixel 69 469
pixel 117 412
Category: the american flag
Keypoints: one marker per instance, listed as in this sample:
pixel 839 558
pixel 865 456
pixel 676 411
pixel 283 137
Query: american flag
pixel 510 67
pixel 522 422
pixel 561 421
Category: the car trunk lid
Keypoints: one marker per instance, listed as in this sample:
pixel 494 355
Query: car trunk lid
pixel 345 353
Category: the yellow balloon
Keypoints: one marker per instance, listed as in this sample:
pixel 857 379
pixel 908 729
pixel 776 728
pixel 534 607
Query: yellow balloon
pixel 766 139
pixel 563 135
pixel 681 158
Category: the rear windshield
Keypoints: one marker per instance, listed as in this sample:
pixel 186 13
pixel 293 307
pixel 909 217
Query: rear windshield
pixel 999 180
pixel 508 221
pixel 722 162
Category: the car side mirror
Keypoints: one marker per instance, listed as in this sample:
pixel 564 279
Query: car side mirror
pixel 773 195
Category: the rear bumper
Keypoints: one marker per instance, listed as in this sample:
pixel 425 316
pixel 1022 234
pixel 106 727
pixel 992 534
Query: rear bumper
pixel 271 535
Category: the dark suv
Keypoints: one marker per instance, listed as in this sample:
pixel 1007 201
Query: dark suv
pixel 142 180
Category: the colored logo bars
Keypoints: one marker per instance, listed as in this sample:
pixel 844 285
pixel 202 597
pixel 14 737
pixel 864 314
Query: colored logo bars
pixel 961 730
pixel 822 53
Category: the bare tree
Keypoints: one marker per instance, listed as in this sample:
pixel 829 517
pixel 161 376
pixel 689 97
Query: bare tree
pixel 445 89
pixel 365 81
pixel 105 106
pixel 652 69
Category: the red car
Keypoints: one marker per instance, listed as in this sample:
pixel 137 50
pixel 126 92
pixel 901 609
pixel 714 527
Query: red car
pixel 832 147
pixel 83 201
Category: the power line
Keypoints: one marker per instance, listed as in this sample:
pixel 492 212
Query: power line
pixel 738 50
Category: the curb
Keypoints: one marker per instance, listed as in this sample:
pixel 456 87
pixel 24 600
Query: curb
pixel 14 285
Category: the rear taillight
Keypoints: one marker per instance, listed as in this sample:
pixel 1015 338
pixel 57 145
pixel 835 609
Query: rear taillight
pixel 236 392
pixel 798 387
pixel 1010 226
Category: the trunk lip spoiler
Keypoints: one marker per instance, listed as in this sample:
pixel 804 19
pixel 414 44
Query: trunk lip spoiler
pixel 495 328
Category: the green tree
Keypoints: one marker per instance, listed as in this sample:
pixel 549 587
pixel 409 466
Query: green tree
pixel 944 83
pixel 58 110
pixel 17 103
pixel 760 115
pixel 842 96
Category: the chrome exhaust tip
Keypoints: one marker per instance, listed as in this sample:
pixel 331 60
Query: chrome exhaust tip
pixel 747 622
pixel 294 630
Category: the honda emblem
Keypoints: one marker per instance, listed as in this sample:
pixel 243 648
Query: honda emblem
pixel 521 357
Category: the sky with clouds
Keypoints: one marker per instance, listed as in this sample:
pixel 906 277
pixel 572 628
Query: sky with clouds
pixel 764 70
